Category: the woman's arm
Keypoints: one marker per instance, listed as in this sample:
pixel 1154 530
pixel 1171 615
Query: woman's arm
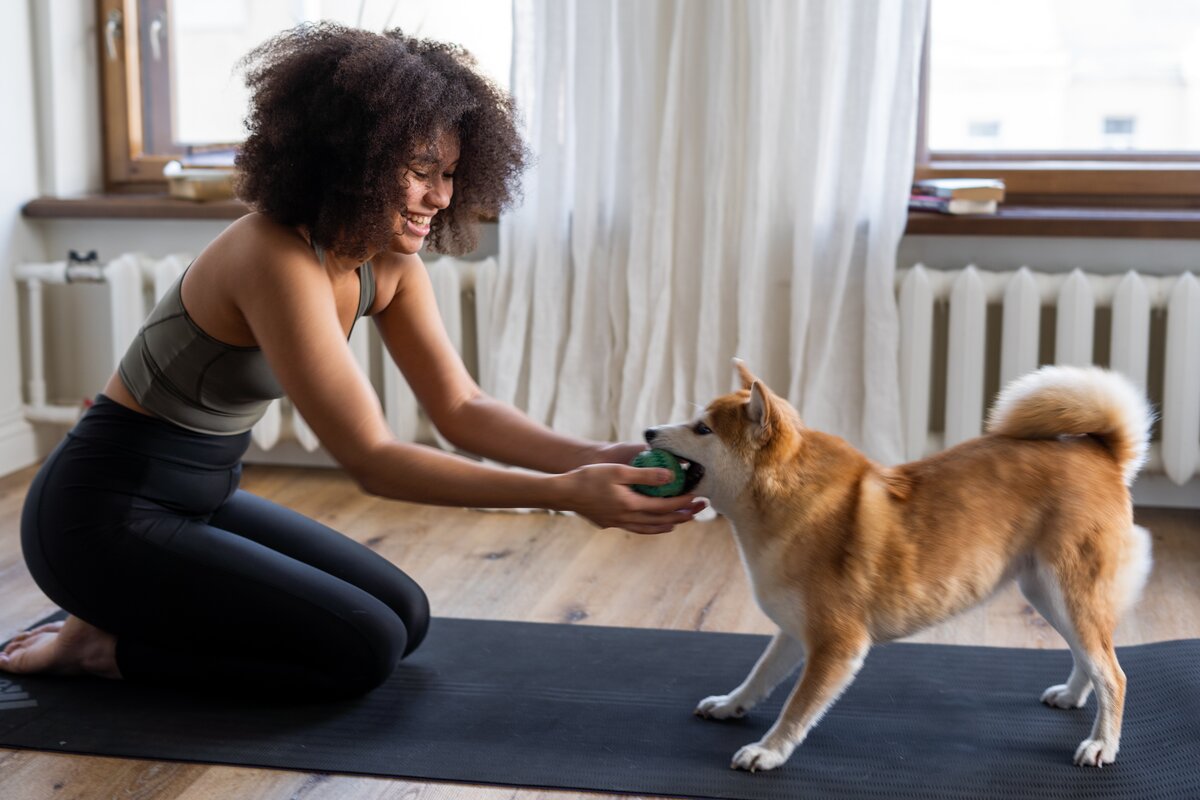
pixel 487 427
pixel 413 331
pixel 288 302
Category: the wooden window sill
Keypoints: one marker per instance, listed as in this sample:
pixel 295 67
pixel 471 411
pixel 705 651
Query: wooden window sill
pixel 1018 220
pixel 1011 220
pixel 132 206
pixel 141 206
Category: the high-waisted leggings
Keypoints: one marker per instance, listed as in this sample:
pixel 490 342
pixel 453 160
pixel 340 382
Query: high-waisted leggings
pixel 137 526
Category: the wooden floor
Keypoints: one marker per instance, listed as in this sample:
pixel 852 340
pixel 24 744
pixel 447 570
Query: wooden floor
pixel 535 567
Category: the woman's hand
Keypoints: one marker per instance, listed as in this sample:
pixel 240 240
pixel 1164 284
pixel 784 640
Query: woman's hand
pixel 603 495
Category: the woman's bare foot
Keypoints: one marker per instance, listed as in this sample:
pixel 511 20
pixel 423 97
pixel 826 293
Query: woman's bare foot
pixel 71 647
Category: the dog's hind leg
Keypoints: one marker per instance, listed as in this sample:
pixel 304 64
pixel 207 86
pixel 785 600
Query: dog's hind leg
pixel 1044 595
pixel 829 669
pixel 1087 617
pixel 1101 746
pixel 782 656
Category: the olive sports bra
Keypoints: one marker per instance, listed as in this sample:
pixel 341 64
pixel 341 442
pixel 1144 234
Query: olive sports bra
pixel 181 374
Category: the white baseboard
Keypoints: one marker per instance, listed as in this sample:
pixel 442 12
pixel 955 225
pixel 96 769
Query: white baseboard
pixel 18 446
pixel 1159 491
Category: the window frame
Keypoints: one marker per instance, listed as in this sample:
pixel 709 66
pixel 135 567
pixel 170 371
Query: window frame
pixel 128 167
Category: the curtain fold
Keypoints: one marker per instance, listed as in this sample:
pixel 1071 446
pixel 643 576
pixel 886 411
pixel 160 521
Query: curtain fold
pixel 711 179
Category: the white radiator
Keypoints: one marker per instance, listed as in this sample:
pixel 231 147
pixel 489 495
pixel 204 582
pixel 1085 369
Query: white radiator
pixel 135 282
pixel 965 333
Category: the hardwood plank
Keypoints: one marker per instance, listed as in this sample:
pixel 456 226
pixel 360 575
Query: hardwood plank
pixel 32 775
pixel 536 567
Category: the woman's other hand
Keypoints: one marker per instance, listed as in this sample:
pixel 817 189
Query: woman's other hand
pixel 603 494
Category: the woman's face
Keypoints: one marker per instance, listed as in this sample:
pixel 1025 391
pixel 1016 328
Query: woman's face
pixel 430 179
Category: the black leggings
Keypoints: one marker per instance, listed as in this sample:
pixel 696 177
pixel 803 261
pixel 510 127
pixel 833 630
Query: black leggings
pixel 137 526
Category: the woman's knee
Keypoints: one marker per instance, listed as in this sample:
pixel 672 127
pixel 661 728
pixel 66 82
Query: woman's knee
pixel 381 640
pixel 415 614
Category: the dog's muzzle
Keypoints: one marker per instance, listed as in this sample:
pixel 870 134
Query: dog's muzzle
pixel 692 471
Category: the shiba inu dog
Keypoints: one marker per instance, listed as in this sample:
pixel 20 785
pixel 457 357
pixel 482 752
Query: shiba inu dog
pixel 843 552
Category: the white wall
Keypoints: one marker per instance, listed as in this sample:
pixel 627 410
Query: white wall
pixel 19 241
pixel 67 97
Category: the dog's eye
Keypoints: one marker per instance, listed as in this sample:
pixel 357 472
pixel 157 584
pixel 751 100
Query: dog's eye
pixel 701 429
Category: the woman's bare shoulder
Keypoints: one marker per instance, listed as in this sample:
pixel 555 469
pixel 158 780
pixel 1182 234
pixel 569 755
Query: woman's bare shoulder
pixel 254 250
pixel 254 264
pixel 393 271
pixel 255 236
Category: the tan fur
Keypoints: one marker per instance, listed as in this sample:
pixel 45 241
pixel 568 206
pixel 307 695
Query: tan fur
pixel 843 552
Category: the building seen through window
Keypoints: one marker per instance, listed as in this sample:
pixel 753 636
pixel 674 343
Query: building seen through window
pixel 1064 75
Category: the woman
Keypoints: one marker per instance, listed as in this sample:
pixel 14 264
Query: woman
pixel 362 148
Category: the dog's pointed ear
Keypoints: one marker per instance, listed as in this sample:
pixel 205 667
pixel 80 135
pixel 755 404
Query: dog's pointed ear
pixel 747 377
pixel 761 408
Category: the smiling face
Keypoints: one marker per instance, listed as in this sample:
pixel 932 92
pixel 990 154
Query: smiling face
pixel 430 185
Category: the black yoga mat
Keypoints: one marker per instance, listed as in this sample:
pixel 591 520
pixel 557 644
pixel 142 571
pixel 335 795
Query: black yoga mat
pixel 610 709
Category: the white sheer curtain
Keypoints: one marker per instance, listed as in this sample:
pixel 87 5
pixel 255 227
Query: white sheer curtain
pixel 712 179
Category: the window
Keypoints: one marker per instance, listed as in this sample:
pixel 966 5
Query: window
pixel 1071 102
pixel 169 82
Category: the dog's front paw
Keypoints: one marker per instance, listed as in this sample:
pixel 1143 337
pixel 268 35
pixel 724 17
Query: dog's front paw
pixel 720 706
pixel 758 758
pixel 1061 696
pixel 1095 753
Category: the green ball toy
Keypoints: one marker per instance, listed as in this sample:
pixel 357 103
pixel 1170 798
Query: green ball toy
pixel 664 460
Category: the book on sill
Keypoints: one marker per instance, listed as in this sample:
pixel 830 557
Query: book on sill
pixel 962 188
pixel 947 205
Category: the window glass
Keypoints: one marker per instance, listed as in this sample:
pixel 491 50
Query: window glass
pixel 1064 75
pixel 206 97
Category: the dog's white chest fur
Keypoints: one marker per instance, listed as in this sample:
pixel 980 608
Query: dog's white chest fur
pixel 782 602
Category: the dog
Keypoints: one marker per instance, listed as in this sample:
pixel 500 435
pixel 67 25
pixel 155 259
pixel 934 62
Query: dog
pixel 843 553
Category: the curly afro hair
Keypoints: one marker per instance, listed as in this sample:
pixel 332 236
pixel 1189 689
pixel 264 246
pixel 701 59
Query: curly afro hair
pixel 338 114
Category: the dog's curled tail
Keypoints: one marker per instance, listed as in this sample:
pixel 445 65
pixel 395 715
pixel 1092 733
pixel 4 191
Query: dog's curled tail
pixel 1071 401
